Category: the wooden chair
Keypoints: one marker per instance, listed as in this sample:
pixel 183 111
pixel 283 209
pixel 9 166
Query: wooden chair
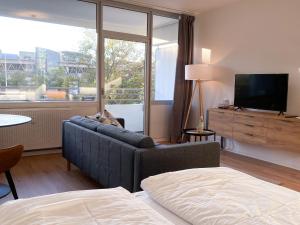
pixel 9 158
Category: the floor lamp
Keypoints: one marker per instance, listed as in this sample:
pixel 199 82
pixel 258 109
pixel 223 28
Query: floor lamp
pixel 197 73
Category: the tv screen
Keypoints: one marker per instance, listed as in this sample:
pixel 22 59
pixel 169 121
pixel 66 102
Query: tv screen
pixel 261 91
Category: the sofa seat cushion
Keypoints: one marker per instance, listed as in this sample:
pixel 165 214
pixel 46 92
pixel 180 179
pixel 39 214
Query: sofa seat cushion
pixel 129 137
pixel 85 122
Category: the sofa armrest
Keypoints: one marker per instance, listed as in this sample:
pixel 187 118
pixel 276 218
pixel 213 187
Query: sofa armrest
pixel 167 158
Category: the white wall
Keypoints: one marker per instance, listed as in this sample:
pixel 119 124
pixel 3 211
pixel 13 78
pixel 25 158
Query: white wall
pixel 253 36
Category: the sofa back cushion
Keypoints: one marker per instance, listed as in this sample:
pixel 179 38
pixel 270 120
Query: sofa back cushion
pixel 85 122
pixel 129 137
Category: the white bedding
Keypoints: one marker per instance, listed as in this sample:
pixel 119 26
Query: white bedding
pixel 106 207
pixel 222 196
pixel 160 209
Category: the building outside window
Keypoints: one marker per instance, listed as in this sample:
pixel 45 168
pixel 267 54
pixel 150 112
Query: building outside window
pixel 46 58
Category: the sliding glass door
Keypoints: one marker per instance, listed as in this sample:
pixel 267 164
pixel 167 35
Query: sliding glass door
pixel 124 87
pixel 125 40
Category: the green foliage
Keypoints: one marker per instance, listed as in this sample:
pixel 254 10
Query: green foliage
pixel 37 80
pixel 56 78
pixel 125 60
pixel 18 78
pixel 88 78
pixel 2 79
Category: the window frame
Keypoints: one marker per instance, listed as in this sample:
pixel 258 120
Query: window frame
pixel 14 104
pixel 101 35
pixel 132 37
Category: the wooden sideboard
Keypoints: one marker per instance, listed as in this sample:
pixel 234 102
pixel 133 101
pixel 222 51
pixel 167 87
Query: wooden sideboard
pixel 258 128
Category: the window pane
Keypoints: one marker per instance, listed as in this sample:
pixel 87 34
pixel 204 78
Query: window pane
pixel 124 81
pixel 165 47
pixel 46 53
pixel 125 21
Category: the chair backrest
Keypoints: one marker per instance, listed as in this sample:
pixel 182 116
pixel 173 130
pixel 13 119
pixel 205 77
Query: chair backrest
pixel 9 157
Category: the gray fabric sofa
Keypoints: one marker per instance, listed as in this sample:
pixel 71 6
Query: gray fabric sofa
pixel 116 157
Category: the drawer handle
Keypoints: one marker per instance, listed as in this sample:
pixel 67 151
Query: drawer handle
pixel 249 125
pixel 251 135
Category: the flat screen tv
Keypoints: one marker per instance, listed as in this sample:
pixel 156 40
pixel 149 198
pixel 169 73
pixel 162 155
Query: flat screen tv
pixel 261 91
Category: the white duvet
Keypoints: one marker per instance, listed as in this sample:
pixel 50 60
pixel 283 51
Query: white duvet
pixel 106 207
pixel 222 196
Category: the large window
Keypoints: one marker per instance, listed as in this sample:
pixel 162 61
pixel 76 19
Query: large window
pixel 125 62
pixel 125 81
pixel 49 53
pixel 164 57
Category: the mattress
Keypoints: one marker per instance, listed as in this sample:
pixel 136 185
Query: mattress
pixel 160 209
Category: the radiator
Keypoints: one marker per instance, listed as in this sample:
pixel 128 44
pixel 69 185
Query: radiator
pixel 44 131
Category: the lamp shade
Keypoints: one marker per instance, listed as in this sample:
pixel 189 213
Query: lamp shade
pixel 202 72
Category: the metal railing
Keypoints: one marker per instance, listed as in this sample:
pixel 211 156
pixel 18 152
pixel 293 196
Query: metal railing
pixel 124 96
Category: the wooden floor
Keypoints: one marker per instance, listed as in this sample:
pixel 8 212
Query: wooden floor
pixel 47 174
pixel 270 172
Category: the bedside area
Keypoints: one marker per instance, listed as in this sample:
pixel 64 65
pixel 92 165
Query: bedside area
pixel 257 128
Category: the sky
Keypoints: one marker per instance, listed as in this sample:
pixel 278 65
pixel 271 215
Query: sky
pixel 25 35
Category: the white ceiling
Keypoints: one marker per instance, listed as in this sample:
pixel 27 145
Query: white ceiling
pixel 76 13
pixel 182 6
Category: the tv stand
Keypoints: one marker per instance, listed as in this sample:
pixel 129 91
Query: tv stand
pixel 257 128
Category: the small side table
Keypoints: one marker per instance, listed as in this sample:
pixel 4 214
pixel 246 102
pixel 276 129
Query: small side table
pixel 9 120
pixel 205 133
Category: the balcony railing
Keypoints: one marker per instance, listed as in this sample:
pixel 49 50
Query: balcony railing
pixel 124 96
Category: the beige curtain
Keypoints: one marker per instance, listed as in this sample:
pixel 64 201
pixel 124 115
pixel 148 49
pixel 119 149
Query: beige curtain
pixel 183 88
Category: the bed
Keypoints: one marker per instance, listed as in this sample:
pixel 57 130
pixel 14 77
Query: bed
pixel 219 196
pixel 114 206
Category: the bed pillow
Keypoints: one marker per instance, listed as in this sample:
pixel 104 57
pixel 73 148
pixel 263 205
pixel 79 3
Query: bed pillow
pixel 223 196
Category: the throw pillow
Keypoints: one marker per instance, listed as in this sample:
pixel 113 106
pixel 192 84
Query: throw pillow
pixel 105 118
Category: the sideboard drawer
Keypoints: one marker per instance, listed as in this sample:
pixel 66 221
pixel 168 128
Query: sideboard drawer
pixel 249 129
pixel 222 129
pixel 284 125
pixel 284 139
pixel 249 120
pixel 221 116
pixel 249 138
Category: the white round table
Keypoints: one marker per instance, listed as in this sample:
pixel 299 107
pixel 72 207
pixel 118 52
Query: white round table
pixel 8 120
